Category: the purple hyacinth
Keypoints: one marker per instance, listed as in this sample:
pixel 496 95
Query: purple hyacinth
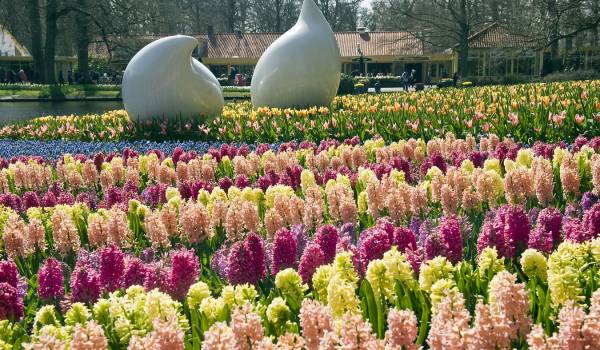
pixel 85 285
pixel 112 268
pixel 65 198
pixel 148 255
pixel 550 219
pixel 218 261
pixel 225 183
pixel 241 181
pixel 375 245
pixel 348 230
pixel 49 200
pixel 434 246
pixel 451 235
pixel 156 278
pixel 11 304
pixel 50 280
pixel 9 273
pixel 184 272
pixel 541 239
pixel 299 234
pixel 588 200
pixel 135 273
pixel 591 221
pixel 415 224
pixel 574 231
pixel 404 239
pixel 512 227
pixel 425 230
pixel 327 238
pixel 284 251
pixel 246 261
pixel 415 259
pixel 30 200
pixel 311 259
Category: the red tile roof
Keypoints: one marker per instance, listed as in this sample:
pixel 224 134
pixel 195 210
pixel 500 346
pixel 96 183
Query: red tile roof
pixel 497 35
pixel 252 45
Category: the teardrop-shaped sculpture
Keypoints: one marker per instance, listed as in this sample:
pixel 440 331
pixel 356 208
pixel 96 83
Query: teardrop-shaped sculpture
pixel 302 68
pixel 164 80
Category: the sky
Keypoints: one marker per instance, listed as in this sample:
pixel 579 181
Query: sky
pixel 367 3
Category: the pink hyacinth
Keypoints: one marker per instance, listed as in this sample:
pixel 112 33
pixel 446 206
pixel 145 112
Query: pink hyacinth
pixel 50 280
pixel 312 258
pixel 284 251
pixel 327 237
pixel 85 285
pixel 112 268
pixel 184 272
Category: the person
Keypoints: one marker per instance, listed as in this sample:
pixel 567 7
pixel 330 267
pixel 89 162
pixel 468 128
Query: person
pixel 2 75
pixel 355 73
pixel 61 79
pixel 232 75
pixel 405 80
pixel 455 79
pixel 70 76
pixel 378 86
pixel 22 76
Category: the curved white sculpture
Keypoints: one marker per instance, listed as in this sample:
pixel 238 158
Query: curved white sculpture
pixel 302 68
pixel 164 80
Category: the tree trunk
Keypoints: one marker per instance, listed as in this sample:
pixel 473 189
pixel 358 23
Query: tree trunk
pixel 554 35
pixel 231 15
pixel 36 41
pixel 50 47
pixel 465 33
pixel 83 43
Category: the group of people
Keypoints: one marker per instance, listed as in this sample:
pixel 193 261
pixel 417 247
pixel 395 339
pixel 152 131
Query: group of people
pixel 9 76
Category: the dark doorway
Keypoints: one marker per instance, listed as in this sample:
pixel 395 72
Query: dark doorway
pixel 418 68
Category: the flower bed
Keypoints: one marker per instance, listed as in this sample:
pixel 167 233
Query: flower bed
pixel 527 113
pixel 461 243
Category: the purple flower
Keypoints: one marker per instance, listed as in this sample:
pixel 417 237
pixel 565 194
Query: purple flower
pixel 451 235
pixel 425 230
pixel 404 239
pixel 574 231
pixel 12 201
pixel 241 181
pixel 225 183
pixel 112 268
pixel 185 270
pixel 512 227
pixel 348 230
pixel 434 246
pixel 50 280
pixel 98 160
pixel 147 255
pixel 30 200
pixel 488 237
pixel 311 259
pixel 11 305
pixel 88 198
pixel 327 237
pixel 8 273
pixel 284 251
pixel 591 221
pixel 218 262
pixel 135 273
pixel 550 219
pixel 185 189
pixel 375 245
pixel 587 201
pixel 85 285
pixel 415 259
pixel 246 261
pixel 156 278
pixel 301 238
pixel 49 200
pixel 541 239
pixel 66 198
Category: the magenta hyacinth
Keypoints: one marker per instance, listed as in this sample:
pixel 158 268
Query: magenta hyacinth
pixel 434 246
pixel 375 245
pixel 311 259
pixel 246 261
pixel 51 280
pixel 541 239
pixel 112 268
pixel 184 272
pixel 11 304
pixel 574 231
pixel 327 238
pixel 135 272
pixel 550 219
pixel 511 226
pixel 85 285
pixel 591 221
pixel 404 239
pixel 156 278
pixel 450 233
pixel 8 273
pixel 284 251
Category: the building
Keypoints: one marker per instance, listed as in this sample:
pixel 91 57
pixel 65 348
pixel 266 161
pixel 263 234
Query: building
pixel 495 52
pixel 386 53
pixel 14 56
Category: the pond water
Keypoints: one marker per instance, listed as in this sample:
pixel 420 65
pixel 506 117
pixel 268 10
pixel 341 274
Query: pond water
pixel 12 111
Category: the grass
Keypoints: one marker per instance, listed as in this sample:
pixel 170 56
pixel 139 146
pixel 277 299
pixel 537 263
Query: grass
pixel 20 91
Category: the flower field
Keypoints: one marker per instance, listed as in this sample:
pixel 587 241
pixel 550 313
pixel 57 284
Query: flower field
pixel 533 112
pixel 440 236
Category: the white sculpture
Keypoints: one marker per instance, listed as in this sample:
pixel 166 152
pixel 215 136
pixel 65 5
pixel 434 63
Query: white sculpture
pixel 302 68
pixel 164 80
